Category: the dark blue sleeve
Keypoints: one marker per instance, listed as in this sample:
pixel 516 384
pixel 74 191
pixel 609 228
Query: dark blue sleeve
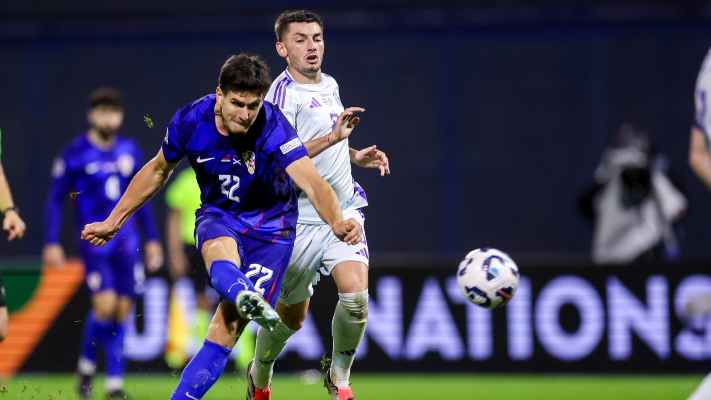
pixel 58 189
pixel 175 137
pixel 144 215
pixel 283 143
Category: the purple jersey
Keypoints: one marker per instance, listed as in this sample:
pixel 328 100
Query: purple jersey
pixel 94 178
pixel 243 175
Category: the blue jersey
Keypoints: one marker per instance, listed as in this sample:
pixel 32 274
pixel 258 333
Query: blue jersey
pixel 243 175
pixel 94 179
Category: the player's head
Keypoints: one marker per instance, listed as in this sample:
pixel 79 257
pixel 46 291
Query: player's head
pixel 299 36
pixel 105 113
pixel 243 82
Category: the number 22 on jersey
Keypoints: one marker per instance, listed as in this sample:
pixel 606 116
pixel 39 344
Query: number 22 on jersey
pixel 227 190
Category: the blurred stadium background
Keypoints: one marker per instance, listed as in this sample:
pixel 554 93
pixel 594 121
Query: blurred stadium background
pixel 495 116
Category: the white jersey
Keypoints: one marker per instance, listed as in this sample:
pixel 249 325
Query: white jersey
pixel 312 109
pixel 702 98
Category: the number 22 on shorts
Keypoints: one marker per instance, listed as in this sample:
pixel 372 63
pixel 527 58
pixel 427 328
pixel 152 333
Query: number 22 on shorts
pixel 255 269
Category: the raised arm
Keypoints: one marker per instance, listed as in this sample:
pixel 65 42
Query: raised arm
pixel 147 181
pixel 321 195
pixel 700 157
pixel 342 129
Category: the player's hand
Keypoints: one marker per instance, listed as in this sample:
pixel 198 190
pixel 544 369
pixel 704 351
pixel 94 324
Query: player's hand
pixel 371 157
pixel 154 256
pixel 13 225
pixel 348 231
pixel 345 124
pixel 98 233
pixel 53 255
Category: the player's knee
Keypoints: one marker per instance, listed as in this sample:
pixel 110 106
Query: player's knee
pixel 123 309
pixel 293 315
pixel 356 304
pixel 104 306
pixel 294 321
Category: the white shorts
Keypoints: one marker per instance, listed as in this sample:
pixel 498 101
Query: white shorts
pixel 317 251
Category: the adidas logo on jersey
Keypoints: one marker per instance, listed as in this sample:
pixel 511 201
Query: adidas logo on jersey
pixel 314 103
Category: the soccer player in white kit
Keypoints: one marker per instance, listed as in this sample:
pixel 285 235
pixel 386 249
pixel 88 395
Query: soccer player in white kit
pixel 700 162
pixel 311 102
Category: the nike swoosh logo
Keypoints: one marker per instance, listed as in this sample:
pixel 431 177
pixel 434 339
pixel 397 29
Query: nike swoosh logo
pixel 190 396
pixel 202 160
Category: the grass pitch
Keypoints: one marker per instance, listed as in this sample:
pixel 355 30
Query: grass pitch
pixel 388 387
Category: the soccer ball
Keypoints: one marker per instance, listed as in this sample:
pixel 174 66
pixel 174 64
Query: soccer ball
pixel 488 277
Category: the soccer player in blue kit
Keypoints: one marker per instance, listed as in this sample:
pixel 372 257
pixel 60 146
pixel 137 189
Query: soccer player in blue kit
pixel 93 170
pixel 245 156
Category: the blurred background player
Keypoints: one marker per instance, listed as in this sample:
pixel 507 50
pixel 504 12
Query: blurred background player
pixel 93 170
pixel 635 202
pixel 183 199
pixel 243 152
pixel 13 225
pixel 699 307
pixel 311 102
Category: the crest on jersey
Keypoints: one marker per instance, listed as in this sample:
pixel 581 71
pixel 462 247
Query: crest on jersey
pixel 249 160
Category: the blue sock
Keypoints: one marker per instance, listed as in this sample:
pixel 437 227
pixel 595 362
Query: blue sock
pixel 114 351
pixel 202 371
pixel 94 336
pixel 228 280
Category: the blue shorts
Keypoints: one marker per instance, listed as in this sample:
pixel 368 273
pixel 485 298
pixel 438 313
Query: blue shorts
pixel 262 261
pixel 112 267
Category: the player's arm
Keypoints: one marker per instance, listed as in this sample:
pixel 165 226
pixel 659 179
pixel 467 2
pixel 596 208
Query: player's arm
pixel 59 187
pixel 700 157
pixel 342 129
pixel 371 157
pixel 322 196
pixel 147 181
pixel 152 249
pixel 11 221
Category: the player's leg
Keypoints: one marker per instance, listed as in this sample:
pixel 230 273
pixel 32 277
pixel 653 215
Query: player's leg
pixel 222 260
pixel 98 327
pixel 349 318
pixel 270 345
pixel 114 348
pixel 292 306
pixel 703 391
pixel 207 364
pixel 124 264
pixel 3 313
pixel 349 267
pixel 218 242
pixel 99 321
pixel 227 324
pixel 3 322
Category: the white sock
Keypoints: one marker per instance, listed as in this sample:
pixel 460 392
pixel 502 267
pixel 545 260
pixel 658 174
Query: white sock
pixel 347 326
pixel 268 347
pixel 113 383
pixel 703 391
pixel 86 366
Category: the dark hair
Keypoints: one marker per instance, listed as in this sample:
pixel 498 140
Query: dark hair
pixel 105 96
pixel 244 73
pixel 281 25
